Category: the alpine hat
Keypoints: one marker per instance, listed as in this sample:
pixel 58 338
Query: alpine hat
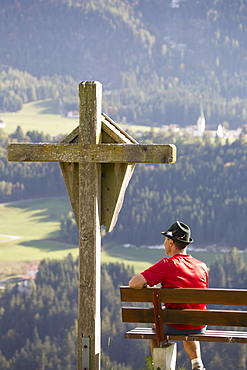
pixel 179 232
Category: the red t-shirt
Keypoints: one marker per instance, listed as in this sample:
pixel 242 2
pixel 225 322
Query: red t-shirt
pixel 179 271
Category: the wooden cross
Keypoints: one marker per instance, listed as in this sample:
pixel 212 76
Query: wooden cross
pixel 97 160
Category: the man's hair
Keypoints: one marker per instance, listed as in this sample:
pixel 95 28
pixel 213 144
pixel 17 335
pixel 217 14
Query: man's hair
pixel 180 245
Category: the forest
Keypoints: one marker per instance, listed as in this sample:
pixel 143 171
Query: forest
pixel 38 325
pixel 159 59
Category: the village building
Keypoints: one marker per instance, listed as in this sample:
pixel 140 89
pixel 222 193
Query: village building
pixel 73 114
pixel 31 273
pixel 2 123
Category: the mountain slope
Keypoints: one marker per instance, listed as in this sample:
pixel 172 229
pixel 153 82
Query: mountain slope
pixel 156 58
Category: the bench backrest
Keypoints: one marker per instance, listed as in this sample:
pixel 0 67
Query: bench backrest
pixel 158 315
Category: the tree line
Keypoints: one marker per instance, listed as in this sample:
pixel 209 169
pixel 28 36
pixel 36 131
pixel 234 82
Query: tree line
pixel 18 88
pixel 24 180
pixel 171 100
pixel 164 101
pixel 38 325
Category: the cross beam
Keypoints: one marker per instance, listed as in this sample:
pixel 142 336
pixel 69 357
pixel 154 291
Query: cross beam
pixel 93 153
pixel 97 160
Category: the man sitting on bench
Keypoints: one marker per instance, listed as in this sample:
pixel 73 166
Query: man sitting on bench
pixel 183 271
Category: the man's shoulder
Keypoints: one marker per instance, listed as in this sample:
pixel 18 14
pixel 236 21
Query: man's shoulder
pixel 199 262
pixel 189 258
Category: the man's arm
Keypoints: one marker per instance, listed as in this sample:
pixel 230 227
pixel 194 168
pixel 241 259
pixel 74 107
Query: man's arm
pixel 138 282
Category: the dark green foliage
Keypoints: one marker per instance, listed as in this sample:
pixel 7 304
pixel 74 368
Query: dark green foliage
pixel 107 364
pixel 69 229
pixel 113 345
pixel 65 37
pixel 229 271
pixel 28 180
pixel 19 87
pixel 38 323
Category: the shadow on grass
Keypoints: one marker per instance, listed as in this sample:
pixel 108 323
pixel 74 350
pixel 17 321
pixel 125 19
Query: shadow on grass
pixel 39 215
pixel 48 107
pixel 48 245
pixel 47 209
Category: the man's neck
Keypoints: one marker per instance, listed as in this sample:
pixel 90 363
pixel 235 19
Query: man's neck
pixel 179 251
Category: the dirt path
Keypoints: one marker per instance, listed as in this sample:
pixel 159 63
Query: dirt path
pixel 8 238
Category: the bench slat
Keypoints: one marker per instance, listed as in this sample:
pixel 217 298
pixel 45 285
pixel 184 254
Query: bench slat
pixel 138 314
pixel 187 317
pixel 209 336
pixel 185 295
pixel 206 296
pixel 205 317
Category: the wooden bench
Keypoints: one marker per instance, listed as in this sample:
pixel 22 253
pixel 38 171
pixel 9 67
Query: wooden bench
pixel 159 315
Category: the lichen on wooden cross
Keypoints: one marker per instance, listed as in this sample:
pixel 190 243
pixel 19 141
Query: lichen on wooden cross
pixel 97 160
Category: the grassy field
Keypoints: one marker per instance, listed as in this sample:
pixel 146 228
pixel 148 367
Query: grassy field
pixel 45 116
pixel 41 116
pixel 30 230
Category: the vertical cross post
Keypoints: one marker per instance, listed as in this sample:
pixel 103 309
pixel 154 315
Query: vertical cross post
pixel 90 94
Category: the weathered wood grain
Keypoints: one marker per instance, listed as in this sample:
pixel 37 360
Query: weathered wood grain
pixel 92 153
pixel 187 317
pixel 70 171
pixel 89 226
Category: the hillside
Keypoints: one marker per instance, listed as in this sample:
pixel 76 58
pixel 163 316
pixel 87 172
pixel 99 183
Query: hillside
pixel 157 59
pixel 83 39
pixel 98 39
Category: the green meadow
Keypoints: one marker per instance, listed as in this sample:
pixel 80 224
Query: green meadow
pixel 43 116
pixel 30 232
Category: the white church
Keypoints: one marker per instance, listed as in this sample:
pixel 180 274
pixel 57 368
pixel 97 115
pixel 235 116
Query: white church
pixel 200 128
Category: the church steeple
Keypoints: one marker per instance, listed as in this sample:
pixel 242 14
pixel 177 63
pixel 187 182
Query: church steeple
pixel 201 121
